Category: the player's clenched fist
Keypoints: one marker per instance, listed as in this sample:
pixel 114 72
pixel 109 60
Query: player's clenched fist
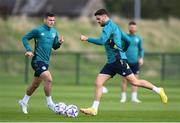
pixel 83 38
pixel 61 39
pixel 29 54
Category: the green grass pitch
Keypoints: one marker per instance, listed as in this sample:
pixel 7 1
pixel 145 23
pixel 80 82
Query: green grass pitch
pixel 111 110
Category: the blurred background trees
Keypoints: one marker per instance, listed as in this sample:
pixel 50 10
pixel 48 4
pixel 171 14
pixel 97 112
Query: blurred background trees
pixel 158 25
pixel 151 9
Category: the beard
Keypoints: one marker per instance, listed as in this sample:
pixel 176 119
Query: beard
pixel 102 24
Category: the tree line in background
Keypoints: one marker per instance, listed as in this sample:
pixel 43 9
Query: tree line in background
pixel 150 9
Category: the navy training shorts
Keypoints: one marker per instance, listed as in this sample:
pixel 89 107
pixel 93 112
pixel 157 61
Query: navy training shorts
pixel 39 67
pixel 134 67
pixel 119 66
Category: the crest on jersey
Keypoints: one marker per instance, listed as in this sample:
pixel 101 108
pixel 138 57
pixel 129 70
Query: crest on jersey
pixel 136 40
pixel 53 35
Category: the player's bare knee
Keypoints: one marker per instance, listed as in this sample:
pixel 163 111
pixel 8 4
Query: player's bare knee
pixel 135 83
pixel 99 84
pixel 49 81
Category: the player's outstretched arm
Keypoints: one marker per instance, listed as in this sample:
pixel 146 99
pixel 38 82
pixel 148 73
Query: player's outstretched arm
pixel 101 40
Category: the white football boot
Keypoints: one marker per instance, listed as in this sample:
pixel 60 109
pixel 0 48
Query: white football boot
pixel 23 106
pixel 51 106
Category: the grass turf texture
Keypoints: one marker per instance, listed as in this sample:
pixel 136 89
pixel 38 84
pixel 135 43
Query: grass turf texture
pixel 111 110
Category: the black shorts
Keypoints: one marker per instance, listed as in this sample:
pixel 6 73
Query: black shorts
pixel 39 67
pixel 134 67
pixel 121 67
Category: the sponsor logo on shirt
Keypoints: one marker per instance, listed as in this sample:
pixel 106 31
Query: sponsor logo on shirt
pixel 42 34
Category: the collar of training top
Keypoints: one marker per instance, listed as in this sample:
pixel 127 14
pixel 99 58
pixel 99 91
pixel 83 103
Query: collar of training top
pixel 46 27
pixel 107 22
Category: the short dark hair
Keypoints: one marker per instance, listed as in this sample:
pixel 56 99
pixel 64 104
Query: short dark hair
pixel 132 23
pixel 49 14
pixel 101 12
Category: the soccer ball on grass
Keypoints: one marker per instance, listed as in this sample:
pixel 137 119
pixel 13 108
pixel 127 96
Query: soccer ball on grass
pixel 71 111
pixel 60 108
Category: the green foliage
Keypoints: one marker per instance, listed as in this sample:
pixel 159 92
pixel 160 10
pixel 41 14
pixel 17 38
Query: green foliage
pixel 121 7
pixel 150 9
pixel 160 8
pixel 153 32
